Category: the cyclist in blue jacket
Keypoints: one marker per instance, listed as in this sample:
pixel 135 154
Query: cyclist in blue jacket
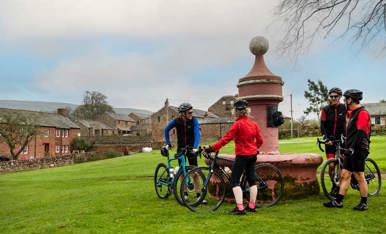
pixel 188 134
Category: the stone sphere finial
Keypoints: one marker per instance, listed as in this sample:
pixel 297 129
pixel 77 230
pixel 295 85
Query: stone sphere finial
pixel 258 45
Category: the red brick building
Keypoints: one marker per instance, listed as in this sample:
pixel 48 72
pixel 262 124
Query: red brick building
pixel 55 133
pixel 142 124
pixel 122 124
pixel 94 128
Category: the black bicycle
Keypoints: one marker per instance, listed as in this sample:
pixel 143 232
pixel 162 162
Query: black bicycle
pixel 166 177
pixel 215 187
pixel 330 178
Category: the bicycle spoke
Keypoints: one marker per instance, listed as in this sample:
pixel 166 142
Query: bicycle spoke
pixel 201 193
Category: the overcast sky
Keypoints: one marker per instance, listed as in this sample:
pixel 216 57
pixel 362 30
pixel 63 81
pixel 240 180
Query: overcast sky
pixel 139 53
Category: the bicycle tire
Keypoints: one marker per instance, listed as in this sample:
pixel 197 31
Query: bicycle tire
pixel 176 183
pixel 162 181
pixel 270 185
pixel 373 177
pixel 212 194
pixel 325 180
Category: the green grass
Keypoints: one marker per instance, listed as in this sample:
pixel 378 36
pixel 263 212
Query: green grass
pixel 117 196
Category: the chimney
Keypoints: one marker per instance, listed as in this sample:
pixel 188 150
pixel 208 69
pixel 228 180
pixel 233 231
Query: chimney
pixel 63 111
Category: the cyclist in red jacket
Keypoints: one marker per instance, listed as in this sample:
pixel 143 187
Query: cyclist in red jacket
pixel 248 139
pixel 358 129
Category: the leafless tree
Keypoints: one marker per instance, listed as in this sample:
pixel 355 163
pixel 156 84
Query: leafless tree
pixel 362 20
pixel 16 130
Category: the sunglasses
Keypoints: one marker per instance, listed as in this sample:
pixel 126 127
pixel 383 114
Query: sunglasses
pixel 334 96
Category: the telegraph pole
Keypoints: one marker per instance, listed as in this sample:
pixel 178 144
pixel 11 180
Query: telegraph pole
pixel 292 118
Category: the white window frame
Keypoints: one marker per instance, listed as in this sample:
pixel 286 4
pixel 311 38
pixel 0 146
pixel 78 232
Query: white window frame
pixel 46 132
pixel 66 133
pixel 62 149
pixel 383 120
pixel 57 149
pixel 57 132
pixel 66 147
pixel 372 120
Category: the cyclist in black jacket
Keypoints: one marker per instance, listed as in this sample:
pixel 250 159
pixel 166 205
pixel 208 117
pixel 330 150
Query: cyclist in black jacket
pixel 332 124
pixel 357 134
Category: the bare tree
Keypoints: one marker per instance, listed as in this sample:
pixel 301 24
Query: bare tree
pixel 363 20
pixel 16 130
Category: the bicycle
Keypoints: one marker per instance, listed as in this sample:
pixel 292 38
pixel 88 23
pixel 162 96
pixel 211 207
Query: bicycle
pixel 214 184
pixel 166 177
pixel 372 172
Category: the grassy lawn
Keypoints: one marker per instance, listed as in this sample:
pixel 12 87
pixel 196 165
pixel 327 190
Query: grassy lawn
pixel 117 196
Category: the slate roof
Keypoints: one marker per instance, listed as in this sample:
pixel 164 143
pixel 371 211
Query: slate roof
pixel 376 108
pixel 121 117
pixel 42 119
pixel 94 124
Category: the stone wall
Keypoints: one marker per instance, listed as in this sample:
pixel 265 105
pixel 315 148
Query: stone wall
pixel 38 163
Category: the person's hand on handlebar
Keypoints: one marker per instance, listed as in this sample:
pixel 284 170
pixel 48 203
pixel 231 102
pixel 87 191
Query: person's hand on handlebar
pixel 208 150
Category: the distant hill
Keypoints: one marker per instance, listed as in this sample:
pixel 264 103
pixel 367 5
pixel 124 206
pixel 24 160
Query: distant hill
pixel 53 106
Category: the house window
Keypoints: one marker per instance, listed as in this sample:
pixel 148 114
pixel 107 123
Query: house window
pixel 383 121
pixel 57 132
pixel 25 150
pixel 66 147
pixel 46 132
pixel 62 148
pixel 66 133
pixel 377 120
pixel 57 149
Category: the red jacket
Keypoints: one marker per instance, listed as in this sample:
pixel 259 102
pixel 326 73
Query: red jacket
pixel 246 135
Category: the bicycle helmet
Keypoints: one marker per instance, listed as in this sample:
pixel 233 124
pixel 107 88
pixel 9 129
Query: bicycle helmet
pixel 335 90
pixel 184 107
pixel 354 94
pixel 240 104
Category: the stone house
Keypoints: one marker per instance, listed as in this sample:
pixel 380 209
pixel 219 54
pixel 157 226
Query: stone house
pixel 142 124
pixel 55 133
pixel 223 107
pixel 121 124
pixel 377 112
pixel 94 128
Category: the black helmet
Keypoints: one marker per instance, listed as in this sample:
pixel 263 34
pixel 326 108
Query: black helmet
pixel 353 94
pixel 335 90
pixel 184 107
pixel 240 104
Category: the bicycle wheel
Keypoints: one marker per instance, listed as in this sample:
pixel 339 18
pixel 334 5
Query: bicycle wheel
pixel 162 181
pixel 373 177
pixel 330 180
pixel 270 185
pixel 204 192
pixel 177 183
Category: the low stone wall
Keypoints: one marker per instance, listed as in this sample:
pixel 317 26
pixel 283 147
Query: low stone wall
pixel 39 163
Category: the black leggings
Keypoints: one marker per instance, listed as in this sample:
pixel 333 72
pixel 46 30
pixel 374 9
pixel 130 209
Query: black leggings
pixel 242 163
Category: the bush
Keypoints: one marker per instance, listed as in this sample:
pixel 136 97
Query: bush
pixel 81 144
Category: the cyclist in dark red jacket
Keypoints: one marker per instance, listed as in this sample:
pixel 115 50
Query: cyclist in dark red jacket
pixel 332 124
pixel 357 140
pixel 248 139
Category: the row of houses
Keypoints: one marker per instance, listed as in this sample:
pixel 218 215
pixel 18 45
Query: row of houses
pixel 56 130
